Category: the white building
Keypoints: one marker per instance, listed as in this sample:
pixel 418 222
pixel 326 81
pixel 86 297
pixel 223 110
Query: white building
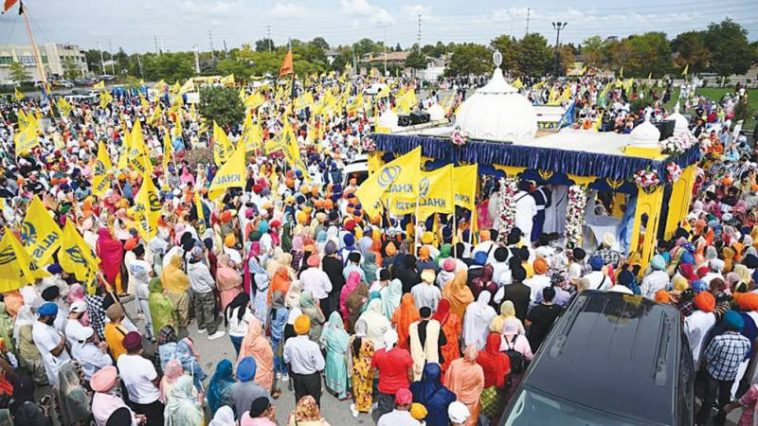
pixel 53 58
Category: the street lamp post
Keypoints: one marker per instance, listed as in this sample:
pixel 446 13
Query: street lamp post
pixel 558 26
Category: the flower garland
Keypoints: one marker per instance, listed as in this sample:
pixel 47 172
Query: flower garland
pixel 507 214
pixel 677 144
pixel 458 137
pixel 673 172
pixel 368 144
pixel 647 179
pixel 577 202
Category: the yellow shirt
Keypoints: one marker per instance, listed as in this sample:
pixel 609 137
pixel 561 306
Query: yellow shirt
pixel 114 338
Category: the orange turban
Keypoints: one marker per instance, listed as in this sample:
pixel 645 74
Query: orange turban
pixel 540 266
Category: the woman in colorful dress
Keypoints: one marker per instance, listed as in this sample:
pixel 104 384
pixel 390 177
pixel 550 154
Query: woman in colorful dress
pixel 359 368
pixel 335 340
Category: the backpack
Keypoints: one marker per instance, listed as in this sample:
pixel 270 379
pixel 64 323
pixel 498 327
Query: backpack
pixel 518 361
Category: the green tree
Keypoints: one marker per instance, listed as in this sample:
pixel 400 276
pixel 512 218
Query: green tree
pixel 592 50
pixel 92 57
pixel 416 59
pixel 509 48
pixel 265 44
pixel 730 51
pixel 320 42
pixel 468 59
pixel 71 69
pixel 536 56
pixel 222 105
pixel 168 66
pixel 364 46
pixel 18 73
pixel 690 50
pixel 567 57
pixel 647 53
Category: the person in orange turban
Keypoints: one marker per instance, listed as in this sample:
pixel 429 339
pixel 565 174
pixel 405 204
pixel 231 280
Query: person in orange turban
pixel 540 266
pixel 302 325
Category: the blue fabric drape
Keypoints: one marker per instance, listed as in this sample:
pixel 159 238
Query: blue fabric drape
pixel 538 158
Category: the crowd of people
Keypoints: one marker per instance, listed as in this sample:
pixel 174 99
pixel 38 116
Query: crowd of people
pixel 410 325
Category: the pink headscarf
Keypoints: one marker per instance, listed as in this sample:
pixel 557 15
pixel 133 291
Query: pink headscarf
pixel 187 176
pixel 255 250
pixel 353 280
pixel 111 254
pixel 75 293
pixel 172 372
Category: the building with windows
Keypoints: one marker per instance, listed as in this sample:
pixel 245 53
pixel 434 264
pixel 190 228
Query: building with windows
pixel 56 58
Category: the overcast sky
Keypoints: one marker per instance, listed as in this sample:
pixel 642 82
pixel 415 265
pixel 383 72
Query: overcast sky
pixel 181 24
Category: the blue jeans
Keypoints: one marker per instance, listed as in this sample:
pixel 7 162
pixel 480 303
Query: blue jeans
pixel 237 342
pixel 279 365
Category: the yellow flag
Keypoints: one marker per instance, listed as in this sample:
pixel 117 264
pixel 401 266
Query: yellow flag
pixel 99 86
pixel 147 209
pixel 19 94
pixel 228 80
pixel 231 175
pixel 101 183
pixel 199 208
pixel 168 150
pixel 187 87
pixel 138 154
pixel 105 99
pixel 39 233
pixel 64 107
pixel 254 100
pixel 26 138
pixel 143 103
pixel 175 87
pixel 599 122
pixel 435 195
pixel 686 70
pixel 292 150
pixel 464 186
pixel 75 256
pixel 160 85
pixel 15 264
pixel 222 146
pixel 156 115
pixel 252 135
pixel 517 83
pixel 400 175
pixel 407 102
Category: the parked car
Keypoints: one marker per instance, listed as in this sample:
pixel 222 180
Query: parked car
pixel 358 169
pixel 611 359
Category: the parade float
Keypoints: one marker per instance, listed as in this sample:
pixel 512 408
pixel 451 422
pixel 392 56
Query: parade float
pixel 649 178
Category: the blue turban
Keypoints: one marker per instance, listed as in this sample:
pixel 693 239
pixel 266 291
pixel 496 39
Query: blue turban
pixel 263 227
pixel 480 258
pixel 658 263
pixel 699 286
pixel 733 320
pixel 54 268
pixel 596 263
pixel 348 239
pixel 687 258
pixel 48 309
pixel 246 369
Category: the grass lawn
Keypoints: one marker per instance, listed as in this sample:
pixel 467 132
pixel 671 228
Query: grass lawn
pixel 715 93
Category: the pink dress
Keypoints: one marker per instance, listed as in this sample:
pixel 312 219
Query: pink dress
pixel 749 406
pixel 229 283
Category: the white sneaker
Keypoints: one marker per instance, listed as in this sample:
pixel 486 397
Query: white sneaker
pixel 201 330
pixel 285 377
pixel 353 410
pixel 217 335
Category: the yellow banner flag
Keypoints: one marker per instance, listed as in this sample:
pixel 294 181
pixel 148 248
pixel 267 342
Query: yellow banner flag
pixel 168 150
pixel 26 138
pixel 39 233
pixel 435 195
pixel 105 99
pixel 188 86
pixel 75 256
pixel 138 154
pixel 199 208
pixel 464 186
pixel 101 183
pixel 517 83
pixel 228 80
pixel 254 100
pixel 252 134
pixel 400 175
pixel 99 86
pixel 147 209
pixel 64 107
pixel 19 94
pixel 292 150
pixel 15 263
pixel 231 175
pixel 144 103
pixel 222 146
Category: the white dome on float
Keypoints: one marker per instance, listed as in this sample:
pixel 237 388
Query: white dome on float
pixel 388 119
pixel 645 135
pixel 436 112
pixel 680 122
pixel 497 111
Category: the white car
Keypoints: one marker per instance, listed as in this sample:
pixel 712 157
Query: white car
pixel 374 88
pixel 358 168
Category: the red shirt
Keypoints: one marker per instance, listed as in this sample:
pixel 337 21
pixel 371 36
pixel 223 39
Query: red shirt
pixel 393 369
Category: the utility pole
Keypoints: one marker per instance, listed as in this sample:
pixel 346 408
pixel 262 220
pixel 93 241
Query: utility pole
pixel 139 64
pixel 558 26
pixel 197 59
pixel 418 38
pixel 210 39
pixel 110 51
pixel 155 38
pixel 102 62
pixel 528 13
pixel 268 36
pixel 224 48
